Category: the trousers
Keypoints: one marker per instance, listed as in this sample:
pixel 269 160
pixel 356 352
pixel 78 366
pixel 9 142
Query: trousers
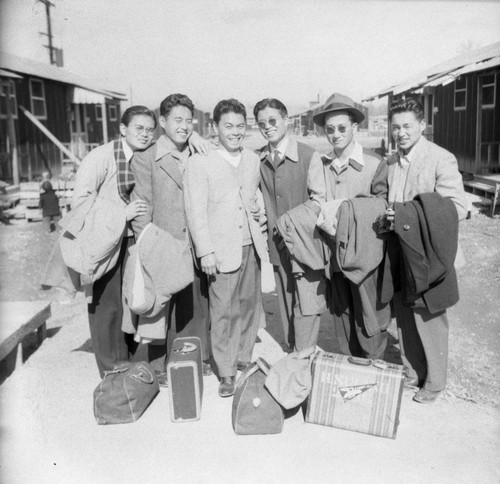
pixel 350 335
pixel 300 302
pixel 111 345
pixel 187 315
pixel 233 300
pixel 423 339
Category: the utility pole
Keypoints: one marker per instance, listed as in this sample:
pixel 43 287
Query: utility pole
pixel 55 54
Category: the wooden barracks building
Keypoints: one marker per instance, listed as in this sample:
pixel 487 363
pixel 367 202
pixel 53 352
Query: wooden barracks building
pixel 461 98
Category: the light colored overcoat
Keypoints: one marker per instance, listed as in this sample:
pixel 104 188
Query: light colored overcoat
pixel 433 169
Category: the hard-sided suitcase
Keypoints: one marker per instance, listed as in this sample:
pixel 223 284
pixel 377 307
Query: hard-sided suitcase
pixel 185 380
pixel 355 394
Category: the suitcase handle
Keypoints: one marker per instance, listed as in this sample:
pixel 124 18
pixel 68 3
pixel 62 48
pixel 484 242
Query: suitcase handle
pixel 359 361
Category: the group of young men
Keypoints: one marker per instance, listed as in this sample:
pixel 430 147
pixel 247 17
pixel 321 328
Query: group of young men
pixel 237 208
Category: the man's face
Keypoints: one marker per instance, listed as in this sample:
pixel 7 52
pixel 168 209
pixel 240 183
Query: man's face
pixel 178 125
pixel 406 129
pixel 139 132
pixel 340 130
pixel 272 125
pixel 231 130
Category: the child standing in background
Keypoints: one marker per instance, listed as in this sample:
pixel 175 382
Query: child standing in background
pixel 49 203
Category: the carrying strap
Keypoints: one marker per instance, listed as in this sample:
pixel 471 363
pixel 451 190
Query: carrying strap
pixel 139 372
pixel 259 364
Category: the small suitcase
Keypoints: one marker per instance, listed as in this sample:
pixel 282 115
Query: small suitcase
pixel 185 380
pixel 355 394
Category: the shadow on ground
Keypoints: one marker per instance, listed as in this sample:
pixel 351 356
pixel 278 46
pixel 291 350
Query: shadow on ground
pixel 28 346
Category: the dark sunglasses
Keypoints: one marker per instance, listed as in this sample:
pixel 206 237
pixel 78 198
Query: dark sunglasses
pixel 271 121
pixel 331 129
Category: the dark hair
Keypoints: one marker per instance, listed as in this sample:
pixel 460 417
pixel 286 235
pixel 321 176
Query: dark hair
pixel 136 111
pixel 46 186
pixel 228 106
pixel 175 100
pixel 272 103
pixel 408 105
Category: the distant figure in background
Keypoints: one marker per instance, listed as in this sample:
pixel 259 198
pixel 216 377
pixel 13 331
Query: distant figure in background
pixel 49 203
pixel 105 174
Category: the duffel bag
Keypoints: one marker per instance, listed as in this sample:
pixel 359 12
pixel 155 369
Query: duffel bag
pixel 125 393
pixel 255 411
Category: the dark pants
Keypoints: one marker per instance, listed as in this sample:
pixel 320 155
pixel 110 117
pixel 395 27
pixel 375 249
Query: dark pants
pixel 350 333
pixel 111 345
pixel 300 320
pixel 188 315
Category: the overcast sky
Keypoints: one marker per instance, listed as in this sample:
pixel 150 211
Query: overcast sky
pixel 248 49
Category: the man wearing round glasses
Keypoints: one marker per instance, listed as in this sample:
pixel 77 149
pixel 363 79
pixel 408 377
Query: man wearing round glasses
pixel 350 171
pixel 284 169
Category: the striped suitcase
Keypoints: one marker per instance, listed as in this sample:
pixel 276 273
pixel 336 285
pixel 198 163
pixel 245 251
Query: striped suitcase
pixel 355 394
pixel 185 380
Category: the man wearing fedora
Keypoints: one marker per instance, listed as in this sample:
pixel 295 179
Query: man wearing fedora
pixel 285 170
pixel 350 171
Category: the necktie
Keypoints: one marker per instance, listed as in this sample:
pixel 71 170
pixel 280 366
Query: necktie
pixel 276 158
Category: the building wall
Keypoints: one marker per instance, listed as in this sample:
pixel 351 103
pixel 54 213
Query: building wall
pixel 36 153
pixel 456 130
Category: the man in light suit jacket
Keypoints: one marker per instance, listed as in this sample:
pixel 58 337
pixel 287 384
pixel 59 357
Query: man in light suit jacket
pixel 221 200
pixel 159 173
pixel 420 166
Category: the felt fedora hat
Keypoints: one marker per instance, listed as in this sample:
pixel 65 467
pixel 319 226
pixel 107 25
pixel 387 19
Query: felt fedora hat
pixel 338 102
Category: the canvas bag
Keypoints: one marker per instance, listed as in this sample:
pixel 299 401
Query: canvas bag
pixel 255 411
pixel 289 379
pixel 125 393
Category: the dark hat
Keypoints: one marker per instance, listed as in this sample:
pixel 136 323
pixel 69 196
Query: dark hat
pixel 338 102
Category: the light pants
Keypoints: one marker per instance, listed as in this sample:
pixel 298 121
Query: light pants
pixel 423 339
pixel 233 299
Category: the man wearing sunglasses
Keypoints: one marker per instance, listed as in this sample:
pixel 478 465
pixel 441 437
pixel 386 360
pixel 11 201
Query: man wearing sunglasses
pixel 284 169
pixel 350 171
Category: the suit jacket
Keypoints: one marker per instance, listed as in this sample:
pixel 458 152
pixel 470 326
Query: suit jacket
pixel 158 181
pixel 287 186
pixel 215 199
pixel 433 169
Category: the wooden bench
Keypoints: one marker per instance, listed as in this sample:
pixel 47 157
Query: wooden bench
pixel 487 184
pixel 19 319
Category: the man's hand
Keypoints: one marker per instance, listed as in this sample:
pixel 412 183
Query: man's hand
pixel 198 144
pixel 255 211
pixel 209 264
pixel 135 209
pixel 385 221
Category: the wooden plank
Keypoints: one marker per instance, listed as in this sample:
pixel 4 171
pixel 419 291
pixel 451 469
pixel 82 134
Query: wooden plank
pixel 480 186
pixel 18 319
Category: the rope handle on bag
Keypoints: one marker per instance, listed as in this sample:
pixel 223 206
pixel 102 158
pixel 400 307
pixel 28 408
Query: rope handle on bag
pixel 259 364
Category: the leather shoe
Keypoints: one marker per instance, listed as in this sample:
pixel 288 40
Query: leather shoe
pixel 412 382
pixel 243 365
pixel 206 369
pixel 425 396
pixel 226 387
pixel 162 378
